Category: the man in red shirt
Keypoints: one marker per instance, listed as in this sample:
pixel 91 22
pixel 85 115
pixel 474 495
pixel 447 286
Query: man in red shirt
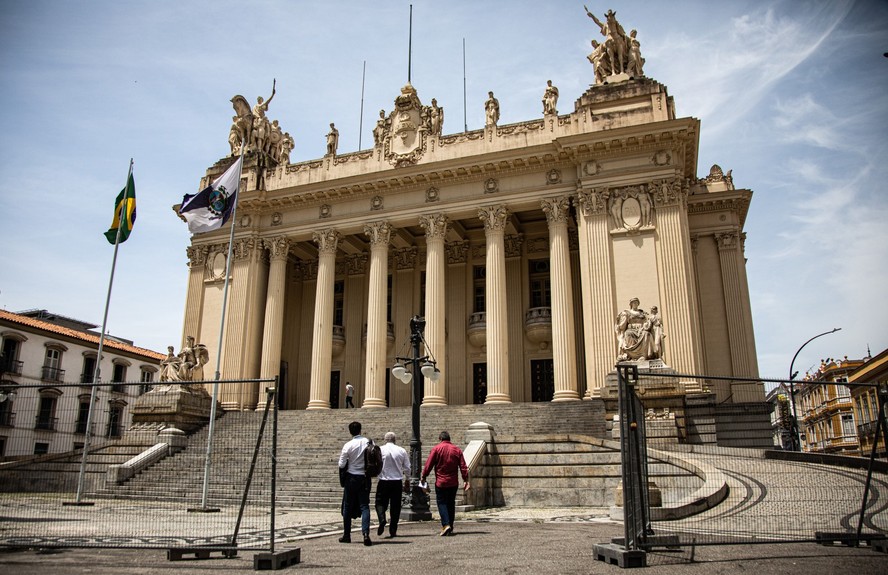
pixel 446 458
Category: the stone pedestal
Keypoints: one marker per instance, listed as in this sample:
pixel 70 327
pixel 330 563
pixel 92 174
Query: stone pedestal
pixel 185 407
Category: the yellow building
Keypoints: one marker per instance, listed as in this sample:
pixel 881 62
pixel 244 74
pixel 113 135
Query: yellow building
pixel 519 244
pixel 866 403
pixel 826 417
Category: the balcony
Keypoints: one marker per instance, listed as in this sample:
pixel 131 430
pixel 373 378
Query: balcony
pixel 52 374
pixel 538 326
pixel 338 340
pixel 11 367
pixel 80 428
pixel 477 331
pixel 46 423
pixel 7 419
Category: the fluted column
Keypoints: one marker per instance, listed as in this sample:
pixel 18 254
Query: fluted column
pixel 435 228
pixel 374 380
pixel 564 349
pixel 596 278
pixel 494 219
pixel 322 335
pixel 234 360
pixel 728 248
pixel 278 251
pixel 197 265
pixel 683 350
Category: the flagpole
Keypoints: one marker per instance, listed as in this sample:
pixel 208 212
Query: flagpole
pixel 209 457
pixel 97 374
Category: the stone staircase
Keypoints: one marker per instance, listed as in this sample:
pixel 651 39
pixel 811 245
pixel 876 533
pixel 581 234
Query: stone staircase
pixel 534 468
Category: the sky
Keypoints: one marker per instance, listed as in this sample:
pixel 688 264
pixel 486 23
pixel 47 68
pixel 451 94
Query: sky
pixel 792 97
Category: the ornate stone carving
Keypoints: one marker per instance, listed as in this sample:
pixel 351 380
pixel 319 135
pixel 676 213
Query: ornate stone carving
pixel 717 175
pixel 187 366
pixel 479 251
pixel 197 255
pixel 630 208
pixel 259 134
pixel 432 194
pixel 381 131
pixel 618 58
pixel 550 99
pixel 277 219
pixel 457 252
pixel 557 210
pixel 325 211
pixel 491 110
pixel 332 140
pixel 537 245
pixel 661 158
pixel 591 168
pixel 243 248
pixel 639 334
pixel 667 193
pixel 327 240
pixel 512 245
pixel 592 202
pixel 727 240
pixel 404 258
pixel 380 233
pixel 553 176
pixel 494 217
pixel 408 127
pixel 356 264
pixel 376 203
pixel 278 248
pixel 435 115
pixel 491 185
pixel 434 225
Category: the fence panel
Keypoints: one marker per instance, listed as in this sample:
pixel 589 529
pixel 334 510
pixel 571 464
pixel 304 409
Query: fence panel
pixel 148 479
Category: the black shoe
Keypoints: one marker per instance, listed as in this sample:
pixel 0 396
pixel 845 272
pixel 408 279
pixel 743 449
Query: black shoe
pixel 345 539
pixel 367 541
pixel 381 529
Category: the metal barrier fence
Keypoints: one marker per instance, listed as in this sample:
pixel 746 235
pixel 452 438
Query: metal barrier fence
pixel 733 495
pixel 202 486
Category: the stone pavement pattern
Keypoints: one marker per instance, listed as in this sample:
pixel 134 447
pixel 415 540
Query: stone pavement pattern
pixel 499 541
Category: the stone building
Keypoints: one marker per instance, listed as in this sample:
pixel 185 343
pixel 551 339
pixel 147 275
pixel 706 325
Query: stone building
pixel 519 244
pixel 47 368
pixel 825 409
pixel 874 370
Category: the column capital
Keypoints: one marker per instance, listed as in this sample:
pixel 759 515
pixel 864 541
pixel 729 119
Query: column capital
pixel 494 217
pixel 592 202
pixel 435 225
pixel 727 240
pixel 327 241
pixel 244 247
pixel 380 233
pixel 557 210
pixel 669 192
pixel 197 255
pixel 278 247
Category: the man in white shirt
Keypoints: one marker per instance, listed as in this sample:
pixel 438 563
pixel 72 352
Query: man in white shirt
pixel 395 467
pixel 349 395
pixel 356 485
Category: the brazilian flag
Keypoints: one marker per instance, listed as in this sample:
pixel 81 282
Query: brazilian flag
pixel 126 203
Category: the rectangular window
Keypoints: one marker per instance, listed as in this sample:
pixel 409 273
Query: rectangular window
pixel 147 378
pixel 479 285
pixel 540 284
pixel 115 416
pixel 388 300
pixel 848 425
pixel 46 419
pixel 41 448
pixel 82 417
pixel 9 358
pixel 89 370
pixel 52 364
pixel 338 302
pixel 422 293
pixel 118 378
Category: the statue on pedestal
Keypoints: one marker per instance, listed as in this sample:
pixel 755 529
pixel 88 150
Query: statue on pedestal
pixel 640 334
pixel 619 54
pixel 187 366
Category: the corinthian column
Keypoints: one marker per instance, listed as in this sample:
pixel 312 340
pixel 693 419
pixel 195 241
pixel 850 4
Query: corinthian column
pixel 596 278
pixel 435 228
pixel 374 380
pixel 494 218
pixel 730 262
pixel 197 265
pixel 679 309
pixel 564 348
pixel 278 251
pixel 322 337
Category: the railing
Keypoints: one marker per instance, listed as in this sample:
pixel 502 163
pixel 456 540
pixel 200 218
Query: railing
pixel 80 428
pixel 86 377
pixel 537 315
pixel 46 423
pixel 7 419
pixel 52 374
pixel 11 367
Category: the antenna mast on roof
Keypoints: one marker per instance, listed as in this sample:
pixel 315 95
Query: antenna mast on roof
pixel 465 120
pixel 361 120
pixel 410 45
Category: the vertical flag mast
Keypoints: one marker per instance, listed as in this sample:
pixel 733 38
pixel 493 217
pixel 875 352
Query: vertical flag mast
pixel 209 457
pixel 465 117
pixel 361 121
pixel 410 45
pixel 123 208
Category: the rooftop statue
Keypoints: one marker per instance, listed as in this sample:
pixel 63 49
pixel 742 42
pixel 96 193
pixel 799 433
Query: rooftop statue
pixel 550 99
pixel 620 53
pixel 639 334
pixel 491 110
pixel 259 134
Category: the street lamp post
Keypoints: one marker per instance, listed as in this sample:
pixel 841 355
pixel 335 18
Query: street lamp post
pixel 416 503
pixel 796 438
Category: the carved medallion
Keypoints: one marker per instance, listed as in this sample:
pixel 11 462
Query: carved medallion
pixel 405 143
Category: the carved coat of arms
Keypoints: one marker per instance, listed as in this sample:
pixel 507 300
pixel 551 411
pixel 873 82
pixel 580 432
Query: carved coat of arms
pixel 405 142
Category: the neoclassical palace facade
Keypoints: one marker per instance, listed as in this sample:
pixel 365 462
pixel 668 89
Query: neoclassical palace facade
pixel 520 244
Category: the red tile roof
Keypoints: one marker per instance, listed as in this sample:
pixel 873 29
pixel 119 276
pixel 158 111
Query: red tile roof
pixel 79 335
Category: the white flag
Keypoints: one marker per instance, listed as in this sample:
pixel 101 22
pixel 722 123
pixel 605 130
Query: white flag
pixel 210 208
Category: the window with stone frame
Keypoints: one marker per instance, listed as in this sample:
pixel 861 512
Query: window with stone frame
pixel 540 284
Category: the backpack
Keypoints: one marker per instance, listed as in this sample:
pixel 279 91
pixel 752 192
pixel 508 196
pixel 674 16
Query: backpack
pixel 372 459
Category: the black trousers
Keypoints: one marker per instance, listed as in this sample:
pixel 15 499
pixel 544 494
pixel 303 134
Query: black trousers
pixel 388 494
